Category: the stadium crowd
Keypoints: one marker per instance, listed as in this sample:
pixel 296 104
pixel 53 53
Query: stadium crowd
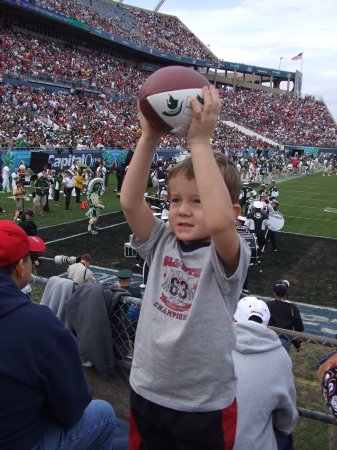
pixel 29 55
pixel 156 30
pixel 101 111
pixel 286 119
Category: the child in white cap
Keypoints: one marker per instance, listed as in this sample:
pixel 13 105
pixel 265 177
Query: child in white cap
pixel 265 395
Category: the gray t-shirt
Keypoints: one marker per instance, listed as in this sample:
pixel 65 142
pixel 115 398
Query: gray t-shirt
pixel 182 357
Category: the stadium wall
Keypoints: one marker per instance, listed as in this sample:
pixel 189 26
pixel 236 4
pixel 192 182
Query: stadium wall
pixel 60 160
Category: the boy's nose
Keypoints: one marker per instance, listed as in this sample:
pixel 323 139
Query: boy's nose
pixel 184 208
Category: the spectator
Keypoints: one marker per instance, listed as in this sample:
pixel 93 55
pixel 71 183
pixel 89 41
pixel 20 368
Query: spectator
pixel 45 401
pixel 284 314
pixel 259 360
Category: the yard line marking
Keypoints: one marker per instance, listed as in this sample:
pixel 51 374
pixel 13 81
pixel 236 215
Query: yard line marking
pixel 77 220
pixel 330 210
pixel 312 197
pixel 82 234
pixel 309 218
pixel 308 235
pixel 301 206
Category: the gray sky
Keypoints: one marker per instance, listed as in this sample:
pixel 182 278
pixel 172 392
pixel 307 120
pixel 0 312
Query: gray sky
pixel 260 32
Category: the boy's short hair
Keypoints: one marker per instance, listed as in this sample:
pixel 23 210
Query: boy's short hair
pixel 227 168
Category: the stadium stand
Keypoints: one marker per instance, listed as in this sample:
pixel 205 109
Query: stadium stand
pixel 57 95
pixel 103 94
pixel 157 30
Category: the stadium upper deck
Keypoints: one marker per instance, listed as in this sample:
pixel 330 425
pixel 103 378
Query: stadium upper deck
pixel 103 111
pixel 157 36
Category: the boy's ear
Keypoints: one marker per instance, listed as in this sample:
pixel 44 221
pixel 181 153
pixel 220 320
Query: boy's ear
pixel 236 210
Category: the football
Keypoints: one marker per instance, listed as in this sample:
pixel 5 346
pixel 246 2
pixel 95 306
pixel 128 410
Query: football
pixel 165 98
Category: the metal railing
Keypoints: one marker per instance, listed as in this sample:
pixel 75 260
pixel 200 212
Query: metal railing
pixel 316 428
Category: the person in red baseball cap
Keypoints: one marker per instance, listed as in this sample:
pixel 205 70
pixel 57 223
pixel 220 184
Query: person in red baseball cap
pixel 45 400
pixel 15 244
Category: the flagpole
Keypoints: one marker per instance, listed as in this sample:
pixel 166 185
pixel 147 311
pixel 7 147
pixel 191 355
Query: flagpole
pixel 302 62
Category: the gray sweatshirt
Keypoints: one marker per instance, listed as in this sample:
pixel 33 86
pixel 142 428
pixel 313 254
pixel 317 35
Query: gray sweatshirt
pixel 266 393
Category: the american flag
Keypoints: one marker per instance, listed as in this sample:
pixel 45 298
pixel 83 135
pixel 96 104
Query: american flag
pixel 297 57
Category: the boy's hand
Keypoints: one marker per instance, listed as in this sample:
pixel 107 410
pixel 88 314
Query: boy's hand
pixel 148 131
pixel 205 117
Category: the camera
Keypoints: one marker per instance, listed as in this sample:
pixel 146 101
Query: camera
pixel 62 259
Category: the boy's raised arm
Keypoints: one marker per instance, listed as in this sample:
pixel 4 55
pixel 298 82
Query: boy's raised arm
pixel 138 214
pixel 215 199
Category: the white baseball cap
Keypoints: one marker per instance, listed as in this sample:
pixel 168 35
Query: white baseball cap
pixel 252 306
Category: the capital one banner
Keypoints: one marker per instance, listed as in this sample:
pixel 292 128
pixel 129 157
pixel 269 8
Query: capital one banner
pixel 86 157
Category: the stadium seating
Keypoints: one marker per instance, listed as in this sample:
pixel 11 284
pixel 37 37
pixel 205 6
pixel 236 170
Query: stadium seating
pixel 97 107
pixel 160 31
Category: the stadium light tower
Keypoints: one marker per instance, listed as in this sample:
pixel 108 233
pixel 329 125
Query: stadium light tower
pixel 159 5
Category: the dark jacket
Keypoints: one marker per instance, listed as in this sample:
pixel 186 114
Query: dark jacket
pixel 41 376
pixel 284 314
pixel 29 226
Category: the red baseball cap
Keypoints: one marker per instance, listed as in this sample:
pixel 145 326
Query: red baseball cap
pixel 15 244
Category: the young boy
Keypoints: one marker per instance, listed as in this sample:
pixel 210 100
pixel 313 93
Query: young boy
pixel 182 376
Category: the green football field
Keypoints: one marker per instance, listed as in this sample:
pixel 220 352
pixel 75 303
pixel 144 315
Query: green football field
pixel 309 205
pixel 307 244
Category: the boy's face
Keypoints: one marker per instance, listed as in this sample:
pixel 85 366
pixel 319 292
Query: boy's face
pixel 186 216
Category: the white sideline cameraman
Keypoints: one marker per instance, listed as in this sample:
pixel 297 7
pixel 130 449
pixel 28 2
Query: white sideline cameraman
pixel 80 272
